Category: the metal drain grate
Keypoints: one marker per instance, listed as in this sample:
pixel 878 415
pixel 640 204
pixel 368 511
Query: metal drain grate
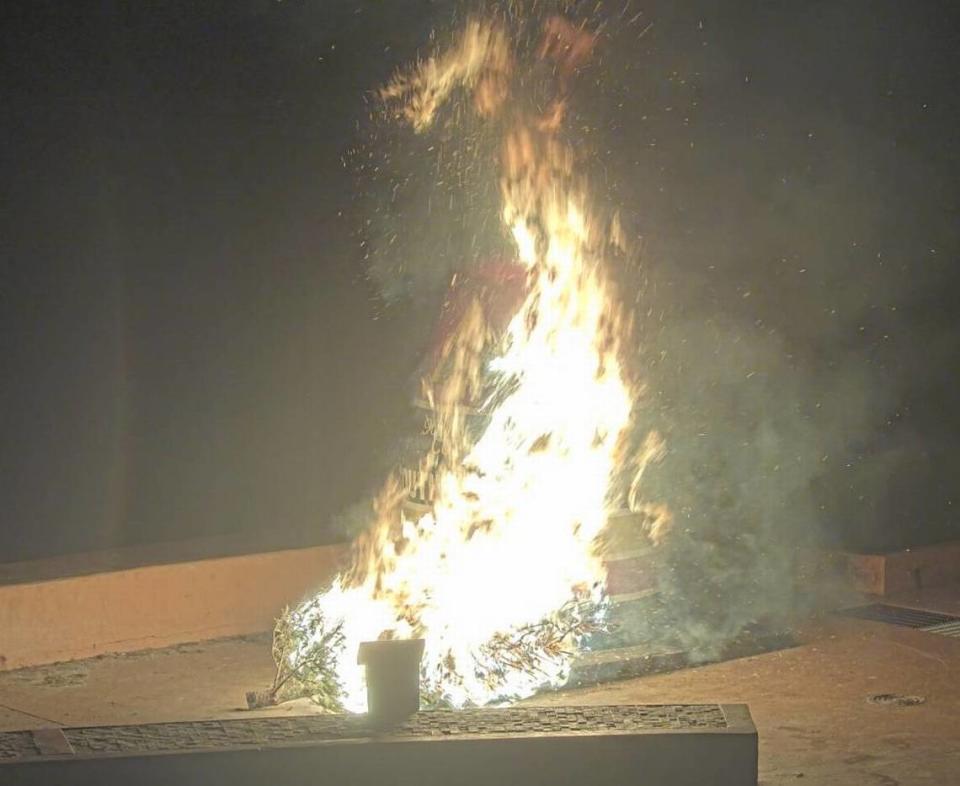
pixel 896 700
pixel 946 629
pixel 904 617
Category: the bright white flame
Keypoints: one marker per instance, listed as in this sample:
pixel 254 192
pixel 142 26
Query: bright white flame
pixel 510 538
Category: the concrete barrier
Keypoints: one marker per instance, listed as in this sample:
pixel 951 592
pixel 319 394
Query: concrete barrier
pixel 46 618
pixel 904 571
pixel 646 745
pixel 126 600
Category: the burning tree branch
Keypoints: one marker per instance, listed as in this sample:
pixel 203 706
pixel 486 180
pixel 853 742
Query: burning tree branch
pixel 500 576
pixel 304 649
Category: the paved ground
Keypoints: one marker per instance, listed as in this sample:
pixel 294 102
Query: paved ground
pixel 811 709
pixel 810 703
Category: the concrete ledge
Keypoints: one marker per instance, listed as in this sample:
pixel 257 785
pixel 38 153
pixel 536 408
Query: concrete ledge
pixel 44 619
pixel 124 600
pixel 901 571
pixel 669 745
pixel 624 663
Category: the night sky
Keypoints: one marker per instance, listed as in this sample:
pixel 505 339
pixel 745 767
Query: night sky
pixel 204 330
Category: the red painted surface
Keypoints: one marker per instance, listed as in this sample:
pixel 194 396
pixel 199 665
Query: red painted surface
pixel 499 285
pixel 630 575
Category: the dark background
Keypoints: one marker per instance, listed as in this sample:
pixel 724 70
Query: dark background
pixel 199 334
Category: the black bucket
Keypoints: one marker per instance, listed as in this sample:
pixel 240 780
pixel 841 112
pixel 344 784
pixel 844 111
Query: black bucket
pixel 393 678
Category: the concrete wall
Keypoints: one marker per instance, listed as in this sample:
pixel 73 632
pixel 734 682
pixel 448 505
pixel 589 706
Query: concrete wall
pixel 128 609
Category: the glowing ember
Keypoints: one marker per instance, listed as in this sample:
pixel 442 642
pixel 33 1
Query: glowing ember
pixel 501 576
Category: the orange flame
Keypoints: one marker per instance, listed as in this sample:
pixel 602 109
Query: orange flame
pixel 510 538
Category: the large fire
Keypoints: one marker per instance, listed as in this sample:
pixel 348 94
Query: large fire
pixel 502 575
